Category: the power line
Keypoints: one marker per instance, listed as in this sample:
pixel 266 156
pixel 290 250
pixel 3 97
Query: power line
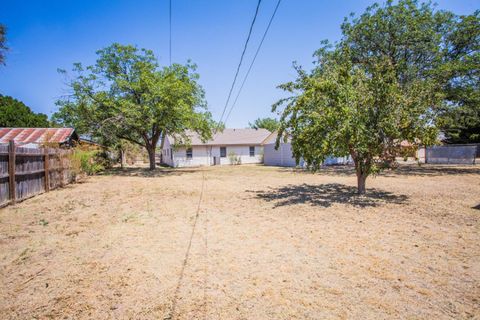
pixel 253 61
pixel 240 63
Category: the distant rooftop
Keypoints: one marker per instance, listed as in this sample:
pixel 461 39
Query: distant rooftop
pixel 36 135
pixel 232 137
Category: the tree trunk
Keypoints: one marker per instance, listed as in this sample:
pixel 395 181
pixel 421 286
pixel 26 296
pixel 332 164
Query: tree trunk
pixel 361 178
pixel 123 159
pixel 162 143
pixel 151 156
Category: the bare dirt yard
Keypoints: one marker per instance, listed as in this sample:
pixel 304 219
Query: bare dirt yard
pixel 267 243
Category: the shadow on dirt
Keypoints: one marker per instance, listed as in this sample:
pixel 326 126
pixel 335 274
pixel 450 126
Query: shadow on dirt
pixel 402 170
pixel 146 173
pixel 325 195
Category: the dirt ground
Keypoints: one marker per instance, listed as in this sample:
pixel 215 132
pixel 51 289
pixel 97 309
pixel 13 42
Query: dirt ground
pixel 267 243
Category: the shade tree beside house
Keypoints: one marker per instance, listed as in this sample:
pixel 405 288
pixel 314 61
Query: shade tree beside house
pixel 126 95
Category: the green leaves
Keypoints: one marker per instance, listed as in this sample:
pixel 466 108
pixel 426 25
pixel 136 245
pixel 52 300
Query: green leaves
pixel 14 113
pixel 271 124
pixel 383 83
pixel 126 95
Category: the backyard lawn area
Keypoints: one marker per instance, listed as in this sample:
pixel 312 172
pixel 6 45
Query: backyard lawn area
pixel 246 242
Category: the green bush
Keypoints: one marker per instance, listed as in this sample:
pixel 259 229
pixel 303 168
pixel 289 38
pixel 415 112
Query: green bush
pixel 88 162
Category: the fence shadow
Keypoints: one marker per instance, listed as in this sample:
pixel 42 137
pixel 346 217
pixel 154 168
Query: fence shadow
pixel 433 170
pixel 145 172
pixel 402 170
pixel 325 195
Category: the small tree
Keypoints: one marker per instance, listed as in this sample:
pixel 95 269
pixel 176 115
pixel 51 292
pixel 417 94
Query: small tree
pixel 271 124
pixel 125 95
pixel 377 87
pixel 342 111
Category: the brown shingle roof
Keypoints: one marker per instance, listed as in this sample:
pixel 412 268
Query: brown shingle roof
pixel 232 137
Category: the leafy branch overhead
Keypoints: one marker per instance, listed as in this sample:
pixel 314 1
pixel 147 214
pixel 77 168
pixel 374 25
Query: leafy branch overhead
pixel 126 95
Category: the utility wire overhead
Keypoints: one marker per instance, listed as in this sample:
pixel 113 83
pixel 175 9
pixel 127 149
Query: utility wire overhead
pixel 240 63
pixel 170 23
pixel 253 61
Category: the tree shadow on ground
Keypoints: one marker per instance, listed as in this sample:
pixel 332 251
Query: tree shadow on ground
pixel 146 173
pixel 403 170
pixel 476 207
pixel 325 195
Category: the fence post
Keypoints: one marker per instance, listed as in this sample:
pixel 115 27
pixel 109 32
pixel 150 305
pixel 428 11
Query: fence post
pixel 11 172
pixel 46 166
pixel 60 158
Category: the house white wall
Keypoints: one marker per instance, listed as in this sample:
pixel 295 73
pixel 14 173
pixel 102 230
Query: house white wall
pixel 282 157
pixel 207 155
pixel 200 157
pixel 167 153
pixel 240 151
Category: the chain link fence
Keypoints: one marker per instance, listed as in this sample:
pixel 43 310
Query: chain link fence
pixel 451 154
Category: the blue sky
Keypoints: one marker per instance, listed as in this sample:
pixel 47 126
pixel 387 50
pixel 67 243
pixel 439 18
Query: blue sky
pixel 46 35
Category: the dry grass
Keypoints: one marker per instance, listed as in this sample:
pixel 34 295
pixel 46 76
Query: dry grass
pixel 269 243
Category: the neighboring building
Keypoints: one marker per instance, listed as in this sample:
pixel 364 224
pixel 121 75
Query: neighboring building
pixel 246 145
pixel 36 137
pixel 283 156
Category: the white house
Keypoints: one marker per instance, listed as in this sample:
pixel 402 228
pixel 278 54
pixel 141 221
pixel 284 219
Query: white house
pixel 245 145
pixel 283 156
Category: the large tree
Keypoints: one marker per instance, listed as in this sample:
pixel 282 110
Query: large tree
pixel 3 46
pixel 14 113
pixel 271 124
pixel 376 87
pixel 460 74
pixel 126 95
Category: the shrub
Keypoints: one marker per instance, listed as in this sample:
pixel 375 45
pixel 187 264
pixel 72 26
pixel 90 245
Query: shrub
pixel 88 162
pixel 234 159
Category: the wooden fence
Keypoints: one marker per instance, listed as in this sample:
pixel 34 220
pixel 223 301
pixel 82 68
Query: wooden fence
pixel 26 172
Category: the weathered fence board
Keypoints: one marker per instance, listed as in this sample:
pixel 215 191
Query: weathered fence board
pixel 26 172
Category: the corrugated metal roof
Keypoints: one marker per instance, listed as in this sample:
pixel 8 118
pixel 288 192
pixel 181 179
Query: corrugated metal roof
pixel 35 135
pixel 231 137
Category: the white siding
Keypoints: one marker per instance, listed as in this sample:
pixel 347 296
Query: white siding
pixel 207 155
pixel 167 153
pixel 282 157
pixel 200 157
pixel 337 160
pixel 240 151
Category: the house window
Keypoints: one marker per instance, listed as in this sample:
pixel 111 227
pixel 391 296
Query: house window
pixel 252 151
pixel 171 154
pixel 189 153
pixel 223 152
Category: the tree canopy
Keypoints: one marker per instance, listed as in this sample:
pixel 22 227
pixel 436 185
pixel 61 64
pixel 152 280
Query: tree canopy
pixel 460 74
pixel 381 84
pixel 126 95
pixel 271 124
pixel 14 113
